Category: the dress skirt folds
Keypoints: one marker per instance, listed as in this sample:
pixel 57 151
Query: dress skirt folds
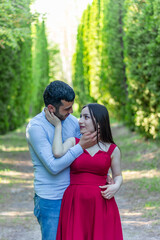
pixel 85 214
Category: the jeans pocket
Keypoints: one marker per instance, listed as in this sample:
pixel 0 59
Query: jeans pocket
pixel 50 208
pixel 36 206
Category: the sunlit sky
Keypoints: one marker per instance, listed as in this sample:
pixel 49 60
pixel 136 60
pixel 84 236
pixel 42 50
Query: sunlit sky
pixel 62 18
pixel 58 10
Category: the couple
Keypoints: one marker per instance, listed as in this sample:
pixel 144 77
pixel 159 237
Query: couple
pixel 88 210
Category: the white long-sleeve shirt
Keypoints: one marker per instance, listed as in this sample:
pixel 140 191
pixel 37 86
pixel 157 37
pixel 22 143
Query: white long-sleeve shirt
pixel 51 175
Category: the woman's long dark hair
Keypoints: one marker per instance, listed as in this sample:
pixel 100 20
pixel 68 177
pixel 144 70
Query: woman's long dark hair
pixel 100 118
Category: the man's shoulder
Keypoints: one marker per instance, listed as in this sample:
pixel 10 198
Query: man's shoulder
pixel 38 120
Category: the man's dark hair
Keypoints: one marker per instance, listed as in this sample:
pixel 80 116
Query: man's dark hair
pixel 57 91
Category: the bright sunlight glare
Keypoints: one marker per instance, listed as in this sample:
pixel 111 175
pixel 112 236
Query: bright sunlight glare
pixel 62 19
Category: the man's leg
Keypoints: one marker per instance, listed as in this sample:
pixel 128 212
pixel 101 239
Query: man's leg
pixel 47 213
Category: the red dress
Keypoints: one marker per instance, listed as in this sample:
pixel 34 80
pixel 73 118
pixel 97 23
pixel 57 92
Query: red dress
pixel 85 214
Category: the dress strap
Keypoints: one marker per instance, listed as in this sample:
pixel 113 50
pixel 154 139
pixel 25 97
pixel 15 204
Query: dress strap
pixel 77 140
pixel 111 149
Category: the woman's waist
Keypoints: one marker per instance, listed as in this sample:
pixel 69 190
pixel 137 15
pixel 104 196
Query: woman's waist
pixel 83 178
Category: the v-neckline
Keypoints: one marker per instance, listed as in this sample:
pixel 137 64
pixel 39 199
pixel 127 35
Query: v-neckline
pixel 97 151
pixel 94 154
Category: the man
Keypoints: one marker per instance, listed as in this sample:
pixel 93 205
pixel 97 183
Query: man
pixel 52 176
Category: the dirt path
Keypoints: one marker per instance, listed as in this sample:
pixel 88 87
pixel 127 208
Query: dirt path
pixel 135 226
pixel 18 223
pixel 16 204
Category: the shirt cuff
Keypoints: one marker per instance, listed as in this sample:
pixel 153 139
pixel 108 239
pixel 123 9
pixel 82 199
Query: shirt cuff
pixel 77 150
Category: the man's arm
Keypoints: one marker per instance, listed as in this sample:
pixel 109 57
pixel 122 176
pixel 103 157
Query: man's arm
pixel 59 148
pixel 37 138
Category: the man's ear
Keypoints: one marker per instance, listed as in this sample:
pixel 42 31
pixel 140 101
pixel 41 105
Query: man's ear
pixel 51 108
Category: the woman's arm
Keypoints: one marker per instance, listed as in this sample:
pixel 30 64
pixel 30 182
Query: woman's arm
pixel 58 148
pixel 110 190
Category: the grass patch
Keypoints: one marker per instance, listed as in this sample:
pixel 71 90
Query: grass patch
pixel 152 204
pixel 13 140
pixel 152 209
pixel 15 221
pixel 140 167
pixel 13 146
pixel 137 153
pixel 150 184
pixel 4 170
pixel 11 181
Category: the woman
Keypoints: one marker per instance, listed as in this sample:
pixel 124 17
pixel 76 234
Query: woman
pixel 89 210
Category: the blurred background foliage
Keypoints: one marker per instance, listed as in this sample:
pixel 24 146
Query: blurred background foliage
pixel 25 56
pixel 116 62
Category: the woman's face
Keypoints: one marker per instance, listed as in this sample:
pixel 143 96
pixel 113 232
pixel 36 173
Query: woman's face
pixel 85 122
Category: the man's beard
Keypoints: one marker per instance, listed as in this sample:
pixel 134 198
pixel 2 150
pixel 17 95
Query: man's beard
pixel 61 117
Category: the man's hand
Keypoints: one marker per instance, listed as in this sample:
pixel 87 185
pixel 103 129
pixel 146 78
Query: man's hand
pixel 88 140
pixel 109 180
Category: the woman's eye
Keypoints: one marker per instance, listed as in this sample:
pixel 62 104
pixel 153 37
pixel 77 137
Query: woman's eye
pixel 86 117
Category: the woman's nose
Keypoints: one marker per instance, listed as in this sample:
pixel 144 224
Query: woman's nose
pixel 80 120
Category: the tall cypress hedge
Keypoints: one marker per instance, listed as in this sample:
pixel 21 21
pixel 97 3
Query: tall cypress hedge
pixel 142 41
pixel 15 63
pixel 119 58
pixel 80 62
pixel 94 49
pixel 78 71
pixel 114 67
pixel 40 66
pixel 24 63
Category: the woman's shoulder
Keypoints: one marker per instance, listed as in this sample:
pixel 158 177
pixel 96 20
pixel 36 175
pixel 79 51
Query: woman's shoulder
pixel 106 146
pixel 109 148
pixel 116 151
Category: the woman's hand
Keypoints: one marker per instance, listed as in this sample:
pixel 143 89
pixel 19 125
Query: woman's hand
pixel 109 191
pixel 52 118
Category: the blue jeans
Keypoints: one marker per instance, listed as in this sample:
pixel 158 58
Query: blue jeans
pixel 47 213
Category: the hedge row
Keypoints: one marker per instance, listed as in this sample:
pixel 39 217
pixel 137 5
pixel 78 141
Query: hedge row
pixel 117 61
pixel 24 63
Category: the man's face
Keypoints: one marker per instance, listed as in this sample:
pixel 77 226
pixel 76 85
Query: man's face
pixel 64 110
